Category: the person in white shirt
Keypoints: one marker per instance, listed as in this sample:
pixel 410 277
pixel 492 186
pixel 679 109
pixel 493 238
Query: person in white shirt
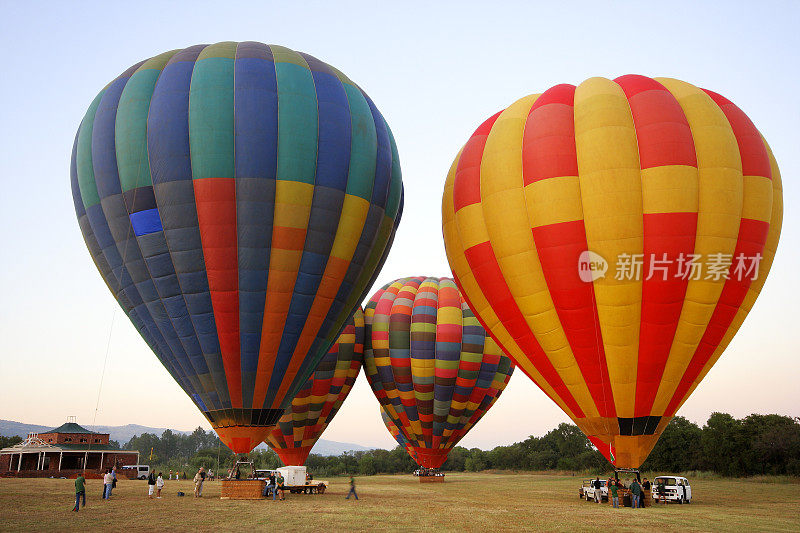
pixel 108 480
pixel 159 484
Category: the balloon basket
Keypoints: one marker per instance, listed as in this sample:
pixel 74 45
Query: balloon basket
pixel 431 479
pixel 242 489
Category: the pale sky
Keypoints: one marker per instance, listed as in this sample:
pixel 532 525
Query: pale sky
pixel 435 72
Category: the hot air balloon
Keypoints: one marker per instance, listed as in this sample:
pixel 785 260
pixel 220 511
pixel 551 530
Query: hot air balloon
pixel 612 237
pixel 321 396
pixel 431 365
pixel 396 434
pixel 238 200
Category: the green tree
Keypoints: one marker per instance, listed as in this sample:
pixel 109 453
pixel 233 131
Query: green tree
pixel 678 449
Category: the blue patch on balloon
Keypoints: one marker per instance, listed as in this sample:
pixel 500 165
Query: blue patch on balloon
pixel 146 222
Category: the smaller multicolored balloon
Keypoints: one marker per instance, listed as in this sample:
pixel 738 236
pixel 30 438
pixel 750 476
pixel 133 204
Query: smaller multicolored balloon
pixel 431 364
pixel 321 397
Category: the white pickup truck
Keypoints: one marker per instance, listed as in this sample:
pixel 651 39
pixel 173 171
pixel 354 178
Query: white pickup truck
pixel 676 490
pixel 588 490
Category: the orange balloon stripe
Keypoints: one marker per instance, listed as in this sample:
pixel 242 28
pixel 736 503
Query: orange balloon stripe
pixel 549 152
pixel 750 242
pixel 664 138
pixel 288 242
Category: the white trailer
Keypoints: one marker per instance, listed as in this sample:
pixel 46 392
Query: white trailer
pixel 294 480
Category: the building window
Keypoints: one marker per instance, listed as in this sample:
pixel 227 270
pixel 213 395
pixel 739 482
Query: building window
pixel 83 440
pixel 68 439
pixel 97 441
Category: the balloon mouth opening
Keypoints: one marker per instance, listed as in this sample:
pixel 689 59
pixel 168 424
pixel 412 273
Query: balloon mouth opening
pixel 430 458
pixel 243 439
pixel 293 456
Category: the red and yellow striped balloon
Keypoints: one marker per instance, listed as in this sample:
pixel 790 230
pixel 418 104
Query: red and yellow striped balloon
pixel 650 172
pixel 323 394
pixel 431 365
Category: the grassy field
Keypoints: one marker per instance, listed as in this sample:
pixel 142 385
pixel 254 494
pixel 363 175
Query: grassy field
pixel 484 502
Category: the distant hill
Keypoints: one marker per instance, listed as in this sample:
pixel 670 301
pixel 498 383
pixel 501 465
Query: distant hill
pixel 122 434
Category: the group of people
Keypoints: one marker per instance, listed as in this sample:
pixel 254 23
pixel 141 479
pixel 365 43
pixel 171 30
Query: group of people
pixel 199 479
pixel 637 491
pixel 155 483
pixel 109 483
pixel 275 484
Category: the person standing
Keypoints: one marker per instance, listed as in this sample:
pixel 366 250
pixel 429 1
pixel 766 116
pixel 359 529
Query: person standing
pixel 151 484
pixel 279 486
pixel 198 482
pixel 108 480
pixel 80 491
pixel 598 495
pixel 352 489
pixel 636 494
pixel 661 490
pixel 202 480
pixel 159 485
pixel 613 493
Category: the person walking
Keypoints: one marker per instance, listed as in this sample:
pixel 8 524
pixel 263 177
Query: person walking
pixel 151 484
pixel 613 493
pixel 80 491
pixel 159 485
pixel 108 480
pixel 636 494
pixel 352 489
pixel 598 495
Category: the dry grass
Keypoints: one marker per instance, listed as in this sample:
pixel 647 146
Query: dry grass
pixel 479 502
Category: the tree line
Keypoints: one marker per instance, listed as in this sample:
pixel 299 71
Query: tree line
pixel 754 445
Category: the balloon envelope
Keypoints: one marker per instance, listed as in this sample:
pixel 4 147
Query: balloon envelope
pixel 238 200
pixel 431 365
pixel 612 237
pixel 321 397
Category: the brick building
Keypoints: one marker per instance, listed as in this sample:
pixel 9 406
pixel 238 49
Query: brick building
pixel 63 452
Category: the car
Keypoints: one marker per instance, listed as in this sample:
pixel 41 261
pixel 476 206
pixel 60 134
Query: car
pixel 676 489
pixel 585 484
pixel 139 471
pixel 588 491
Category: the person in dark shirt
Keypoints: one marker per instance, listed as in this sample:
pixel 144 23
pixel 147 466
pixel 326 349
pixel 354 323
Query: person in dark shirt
pixel 80 491
pixel 279 483
pixel 636 494
pixel 613 493
pixel 151 484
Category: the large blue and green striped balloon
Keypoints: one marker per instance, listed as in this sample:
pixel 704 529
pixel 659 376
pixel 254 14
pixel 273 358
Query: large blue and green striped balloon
pixel 239 200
